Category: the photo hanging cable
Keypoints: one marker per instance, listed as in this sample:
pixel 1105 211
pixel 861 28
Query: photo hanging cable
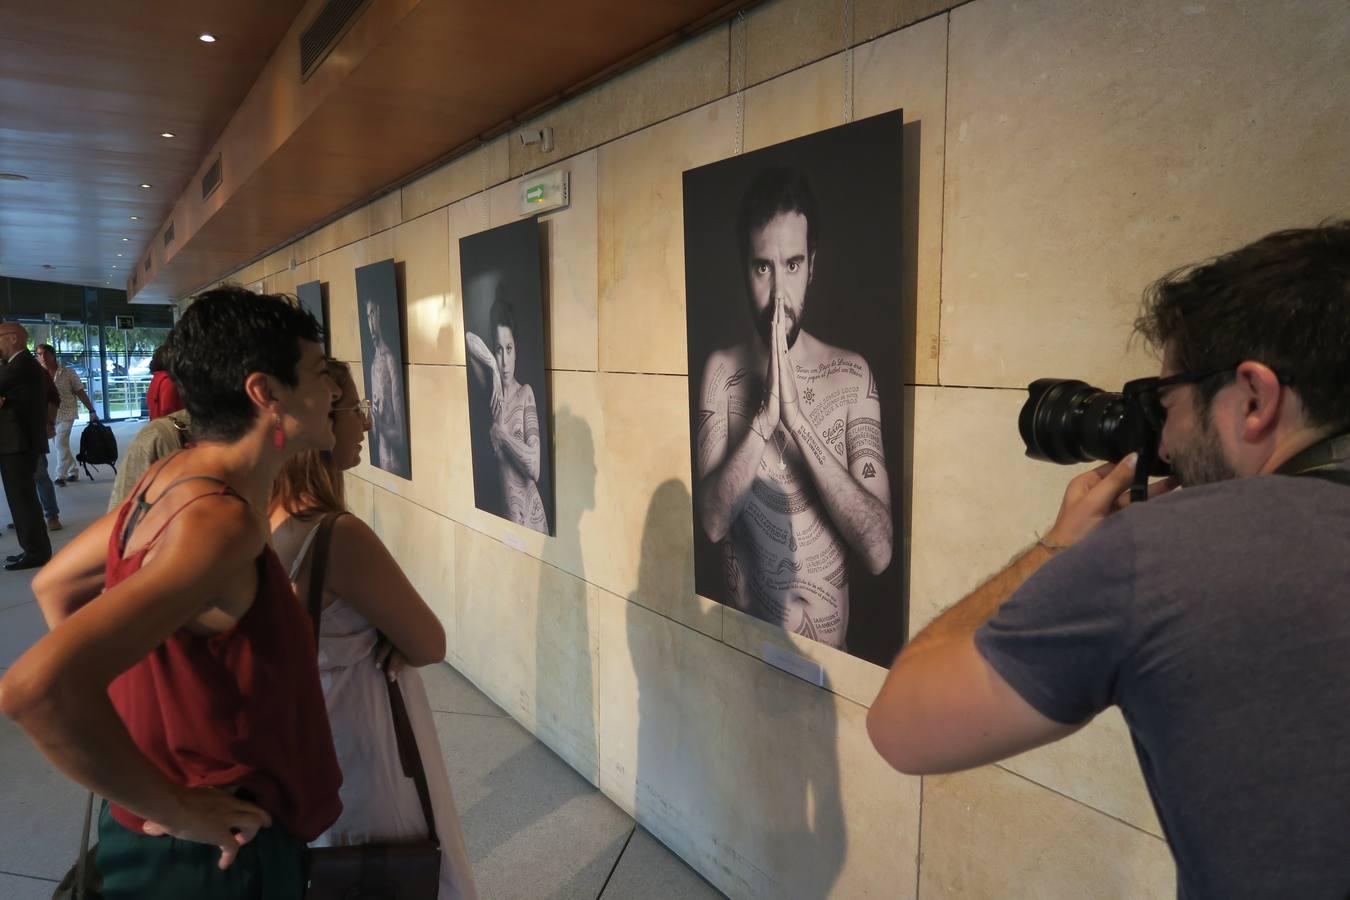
pixel 848 61
pixel 739 28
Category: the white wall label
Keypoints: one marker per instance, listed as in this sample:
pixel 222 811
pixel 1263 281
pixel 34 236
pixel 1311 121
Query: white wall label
pixel 793 664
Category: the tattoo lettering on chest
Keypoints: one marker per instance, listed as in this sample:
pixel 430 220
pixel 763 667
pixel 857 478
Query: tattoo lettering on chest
pixel 787 503
pixel 832 369
pixel 832 406
pixel 761 524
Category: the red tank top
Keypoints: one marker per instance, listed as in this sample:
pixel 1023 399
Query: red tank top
pixel 242 708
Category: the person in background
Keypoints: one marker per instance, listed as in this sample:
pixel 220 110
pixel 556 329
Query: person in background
pixel 23 442
pixel 373 624
pixel 69 388
pixel 162 397
pixel 156 440
pixel 178 679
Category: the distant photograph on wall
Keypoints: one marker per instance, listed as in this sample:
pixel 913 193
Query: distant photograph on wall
pixel 504 338
pixel 312 300
pixel 378 312
pixel 793 304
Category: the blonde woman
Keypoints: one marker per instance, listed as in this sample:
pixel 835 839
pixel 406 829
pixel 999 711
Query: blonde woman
pixel 374 626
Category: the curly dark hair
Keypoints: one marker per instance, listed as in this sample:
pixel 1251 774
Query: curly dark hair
pixel 224 336
pixel 1283 300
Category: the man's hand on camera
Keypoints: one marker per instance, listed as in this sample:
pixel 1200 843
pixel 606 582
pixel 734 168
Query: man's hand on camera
pixel 1093 496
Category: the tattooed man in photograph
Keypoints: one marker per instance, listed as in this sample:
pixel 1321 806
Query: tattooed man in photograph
pixel 389 439
pixel 791 476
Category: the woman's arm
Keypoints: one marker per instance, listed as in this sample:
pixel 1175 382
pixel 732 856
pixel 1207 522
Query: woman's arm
pixel 75 574
pixel 483 368
pixel 522 452
pixel 57 691
pixel 362 571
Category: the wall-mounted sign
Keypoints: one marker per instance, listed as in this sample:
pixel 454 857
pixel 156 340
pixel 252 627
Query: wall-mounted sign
pixel 543 193
pixel 125 323
pixel 52 317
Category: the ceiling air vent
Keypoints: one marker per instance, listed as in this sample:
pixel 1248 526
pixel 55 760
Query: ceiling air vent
pixel 168 235
pixel 211 180
pixel 325 31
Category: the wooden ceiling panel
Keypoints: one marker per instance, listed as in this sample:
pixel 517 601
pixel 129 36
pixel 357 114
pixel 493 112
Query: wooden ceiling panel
pixel 85 89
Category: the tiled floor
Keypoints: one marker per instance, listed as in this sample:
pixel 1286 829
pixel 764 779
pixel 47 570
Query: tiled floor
pixel 535 829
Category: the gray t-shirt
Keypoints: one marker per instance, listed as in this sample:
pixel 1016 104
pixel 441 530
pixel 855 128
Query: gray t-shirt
pixel 1218 619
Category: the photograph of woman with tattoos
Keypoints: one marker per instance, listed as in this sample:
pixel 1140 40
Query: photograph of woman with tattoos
pixel 504 346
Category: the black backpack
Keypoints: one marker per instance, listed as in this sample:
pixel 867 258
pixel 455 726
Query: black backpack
pixel 98 447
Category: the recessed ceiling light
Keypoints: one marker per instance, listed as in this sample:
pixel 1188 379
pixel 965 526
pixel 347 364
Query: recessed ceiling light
pixel 126 239
pixel 119 254
pixel 135 218
pixel 146 186
pixel 166 134
pixel 12 176
pixel 206 38
pixel 114 265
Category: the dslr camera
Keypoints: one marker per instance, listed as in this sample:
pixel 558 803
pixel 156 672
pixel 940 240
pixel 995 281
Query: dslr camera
pixel 1066 422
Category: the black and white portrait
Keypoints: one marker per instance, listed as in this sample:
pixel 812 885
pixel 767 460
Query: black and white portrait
pixel 508 374
pixel 378 308
pixel 793 293
pixel 312 300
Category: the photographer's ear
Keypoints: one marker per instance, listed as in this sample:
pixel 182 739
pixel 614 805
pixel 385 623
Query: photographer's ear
pixel 1263 398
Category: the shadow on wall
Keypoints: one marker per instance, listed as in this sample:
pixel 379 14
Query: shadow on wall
pixel 737 762
pixel 564 693
pixel 517 798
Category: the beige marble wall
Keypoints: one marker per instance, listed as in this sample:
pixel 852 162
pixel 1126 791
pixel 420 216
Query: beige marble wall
pixel 1058 154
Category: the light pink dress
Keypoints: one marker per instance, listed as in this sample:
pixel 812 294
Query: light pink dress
pixel 379 803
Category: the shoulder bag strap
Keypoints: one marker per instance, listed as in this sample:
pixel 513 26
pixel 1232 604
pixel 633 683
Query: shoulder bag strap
pixel 408 754
pixel 318 567
pixel 410 757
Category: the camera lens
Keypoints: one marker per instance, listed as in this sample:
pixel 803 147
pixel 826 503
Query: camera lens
pixel 1065 421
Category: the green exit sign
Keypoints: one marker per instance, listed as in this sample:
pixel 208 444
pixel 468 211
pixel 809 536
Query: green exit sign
pixel 543 193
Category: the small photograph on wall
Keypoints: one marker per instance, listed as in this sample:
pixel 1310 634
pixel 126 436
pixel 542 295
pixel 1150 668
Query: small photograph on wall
pixel 794 323
pixel 504 338
pixel 312 300
pixel 378 312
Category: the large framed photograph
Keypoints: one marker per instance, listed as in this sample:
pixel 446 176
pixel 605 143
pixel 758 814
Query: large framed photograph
pixel 793 297
pixel 504 338
pixel 380 314
pixel 313 299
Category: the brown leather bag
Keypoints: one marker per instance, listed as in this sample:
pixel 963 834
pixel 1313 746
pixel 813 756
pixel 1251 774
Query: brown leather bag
pixel 383 871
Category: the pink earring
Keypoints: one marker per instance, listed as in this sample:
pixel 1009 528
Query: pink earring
pixel 278 433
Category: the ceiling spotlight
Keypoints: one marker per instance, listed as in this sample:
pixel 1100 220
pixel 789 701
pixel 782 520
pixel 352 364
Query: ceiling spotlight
pixel 126 239
pixel 167 134
pixel 146 187
pixel 206 38
pixel 114 265
pixel 119 254
pixel 135 218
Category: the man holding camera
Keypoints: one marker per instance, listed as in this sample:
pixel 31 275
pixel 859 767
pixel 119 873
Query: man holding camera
pixel 1216 617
